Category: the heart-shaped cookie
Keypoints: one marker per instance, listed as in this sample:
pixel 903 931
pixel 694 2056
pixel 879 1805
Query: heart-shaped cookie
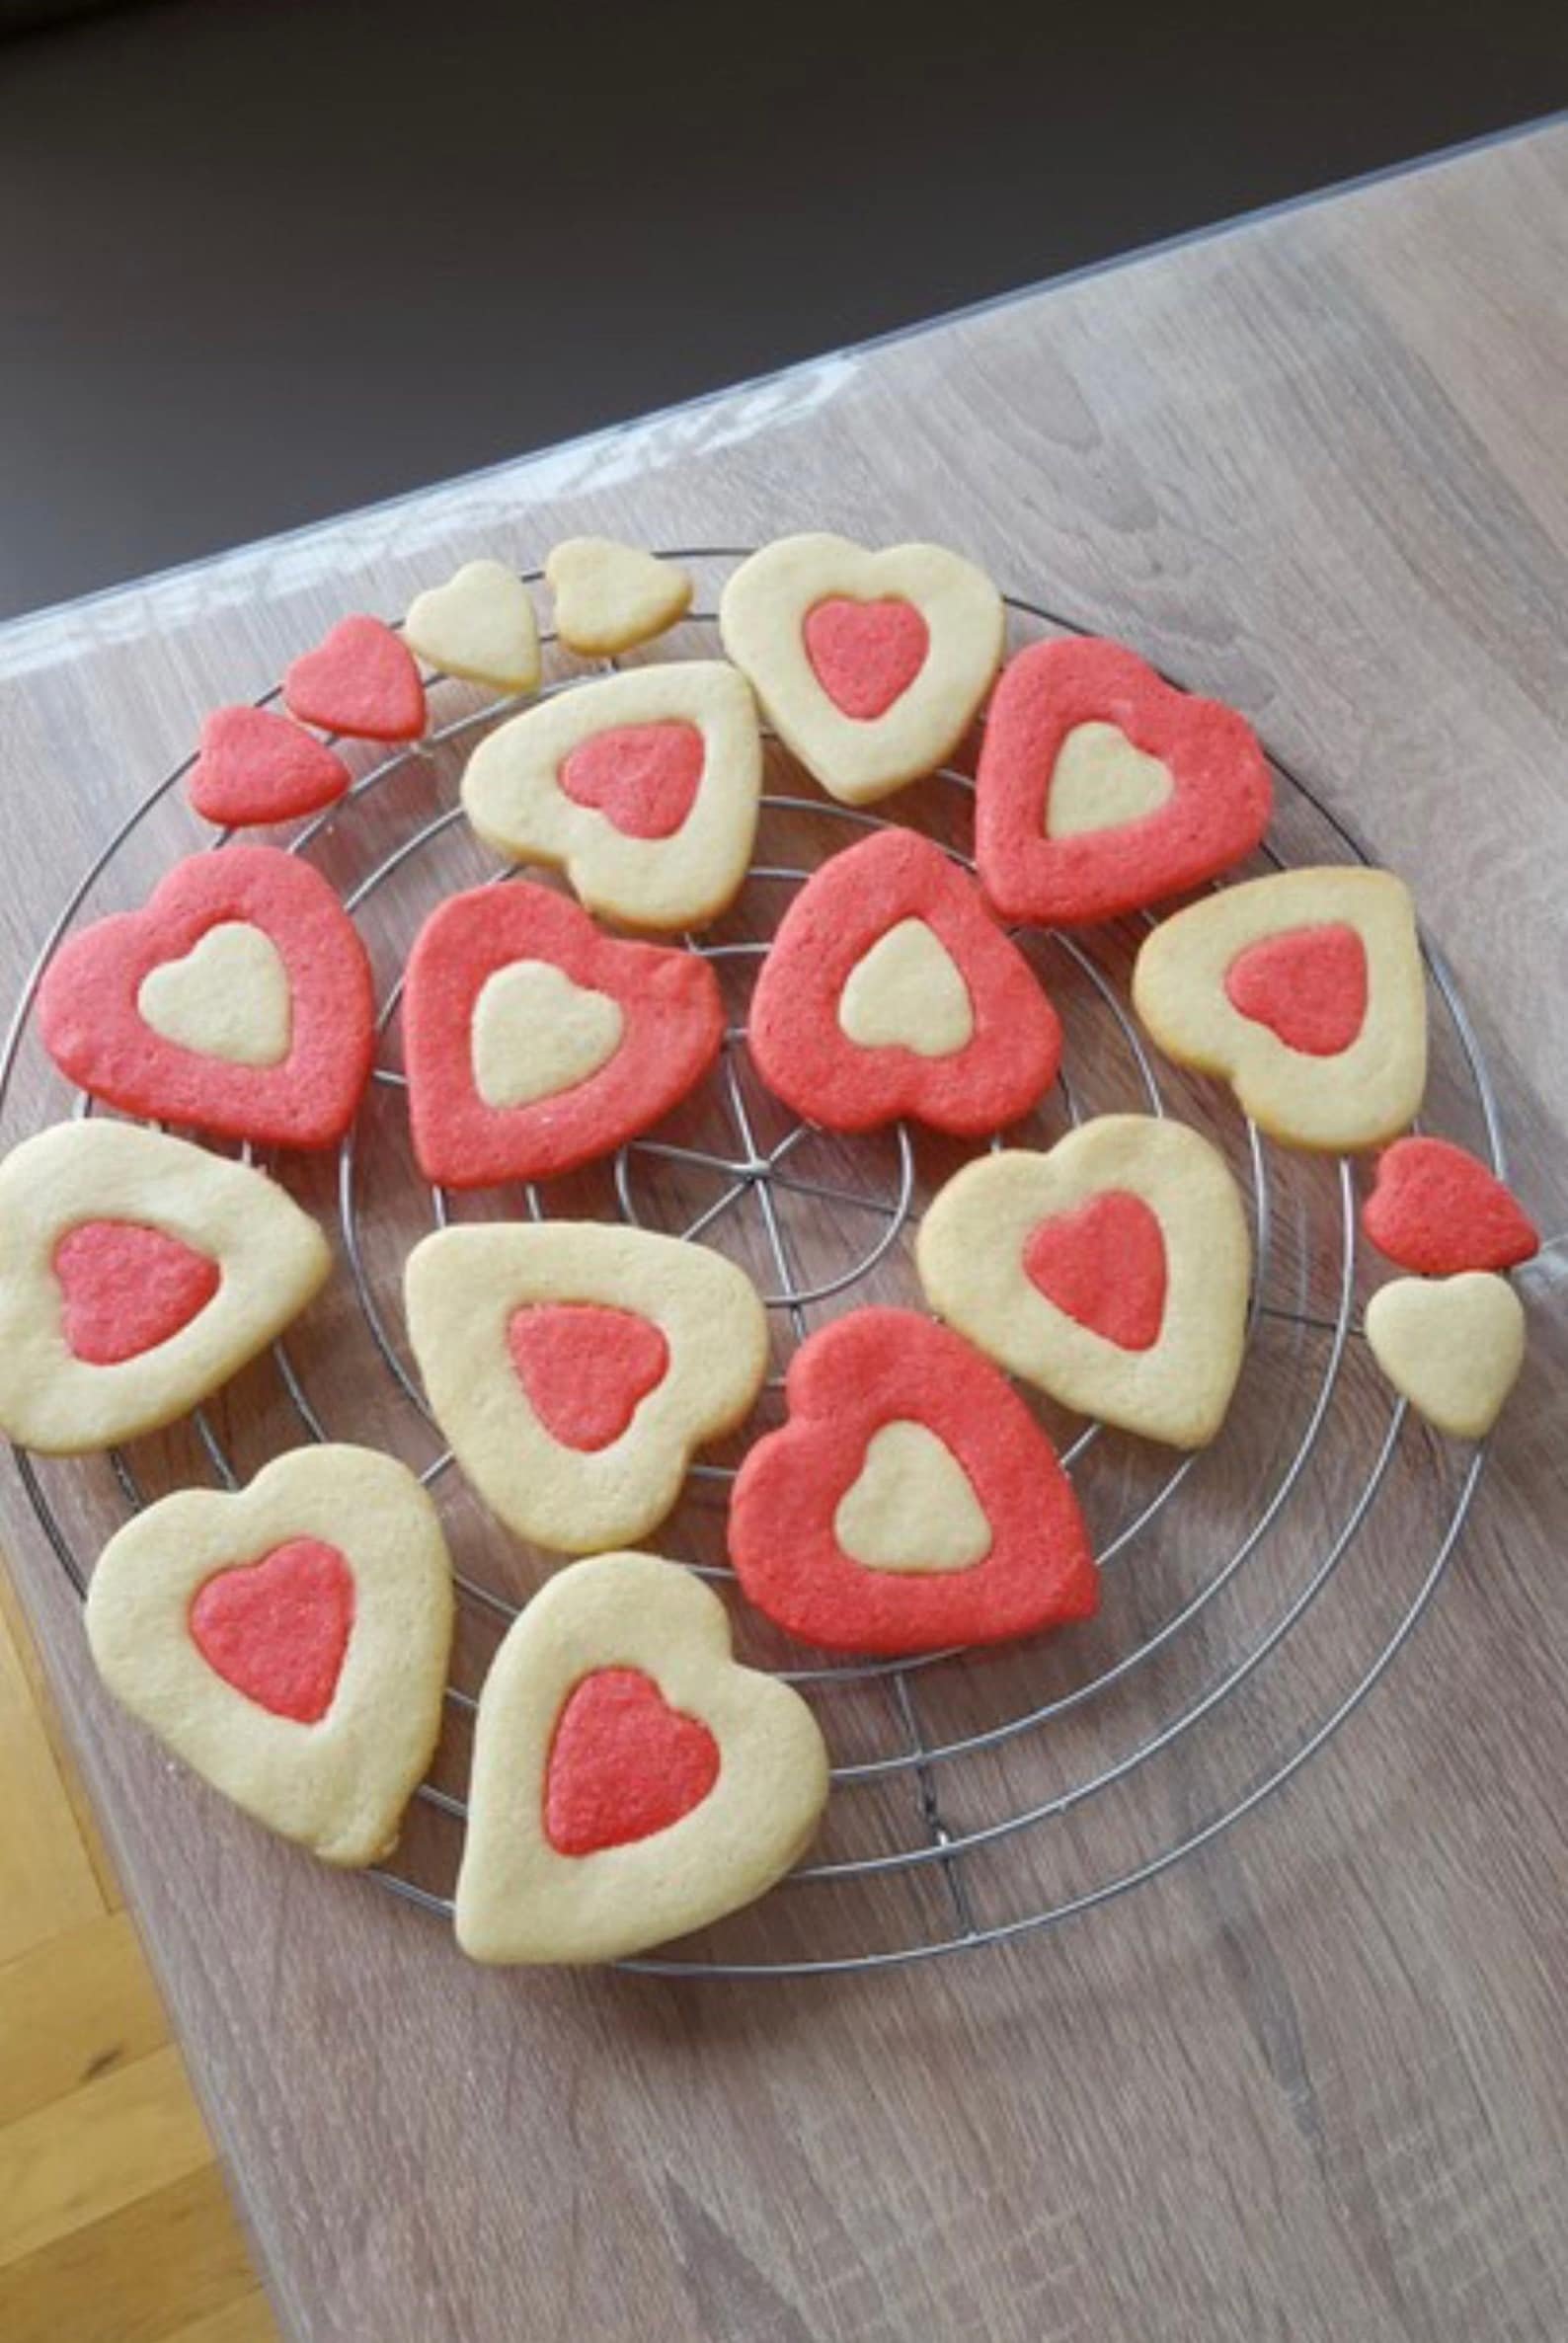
pixel 609 598
pixel 238 1000
pixel 360 679
pixel 487 1305
pixel 1451 1346
pixel 910 1502
pixel 1112 1271
pixel 872 667
pixel 630 1782
pixel 480 625
pixel 533 1043
pixel 256 766
pixel 1434 1209
pixel 642 788
pixel 891 990
pixel 1305 991
pixel 289 1641
pixel 137 1273
pixel 1101 788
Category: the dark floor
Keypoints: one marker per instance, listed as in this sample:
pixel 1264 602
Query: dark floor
pixel 269 258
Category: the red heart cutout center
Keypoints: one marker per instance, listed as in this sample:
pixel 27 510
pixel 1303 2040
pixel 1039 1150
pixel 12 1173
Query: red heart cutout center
pixel 641 777
pixel 585 1368
pixel 1308 986
pixel 126 1289
pixel 277 1629
pixel 865 655
pixel 1434 1210
pixel 1103 1264
pixel 361 679
pixel 623 1763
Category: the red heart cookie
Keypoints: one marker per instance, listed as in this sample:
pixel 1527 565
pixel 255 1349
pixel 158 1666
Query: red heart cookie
pixel 912 1501
pixel 1434 1210
pixel 1100 788
pixel 238 1000
pixel 277 1629
pixel 361 679
pixel 126 1289
pixel 891 990
pixel 256 766
pixel 623 1763
pixel 534 1044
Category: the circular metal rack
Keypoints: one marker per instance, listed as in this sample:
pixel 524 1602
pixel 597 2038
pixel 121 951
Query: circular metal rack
pixel 1254 1593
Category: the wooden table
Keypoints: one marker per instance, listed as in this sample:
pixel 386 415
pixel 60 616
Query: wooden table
pixel 1312 2083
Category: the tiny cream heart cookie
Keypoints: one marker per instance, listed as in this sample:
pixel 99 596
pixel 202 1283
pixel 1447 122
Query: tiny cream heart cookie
pixel 1112 1271
pixel 479 625
pixel 1305 991
pixel 643 788
pixel 289 1641
pixel 137 1273
pixel 1451 1346
pixel 872 667
pixel 575 1365
pixel 630 1782
pixel 609 598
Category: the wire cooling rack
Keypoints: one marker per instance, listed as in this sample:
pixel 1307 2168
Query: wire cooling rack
pixel 1254 1593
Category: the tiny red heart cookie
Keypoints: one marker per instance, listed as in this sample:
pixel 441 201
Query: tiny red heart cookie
pixel 238 1000
pixel 361 679
pixel 256 766
pixel 891 990
pixel 1436 1211
pixel 534 1044
pixel 1101 788
pixel 912 1501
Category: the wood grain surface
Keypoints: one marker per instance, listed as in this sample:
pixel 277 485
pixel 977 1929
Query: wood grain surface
pixel 1308 2085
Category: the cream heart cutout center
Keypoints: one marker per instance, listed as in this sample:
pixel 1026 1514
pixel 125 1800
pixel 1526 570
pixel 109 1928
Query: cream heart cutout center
pixel 912 1507
pixel 908 992
pixel 1099 780
pixel 228 997
pixel 535 1033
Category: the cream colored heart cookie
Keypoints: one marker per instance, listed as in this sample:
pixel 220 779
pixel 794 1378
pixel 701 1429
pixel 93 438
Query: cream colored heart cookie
pixel 575 1365
pixel 289 1641
pixel 630 1781
pixel 643 788
pixel 1305 991
pixel 871 665
pixel 480 625
pixel 228 997
pixel 608 598
pixel 1112 1271
pixel 137 1273
pixel 1451 1346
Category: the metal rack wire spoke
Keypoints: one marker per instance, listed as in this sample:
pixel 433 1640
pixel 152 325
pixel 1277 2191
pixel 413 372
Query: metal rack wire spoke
pixel 1215 1566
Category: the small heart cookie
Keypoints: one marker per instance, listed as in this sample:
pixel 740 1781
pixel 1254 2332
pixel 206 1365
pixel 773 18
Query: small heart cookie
pixel 1112 1271
pixel 1451 1346
pixel 1436 1210
pixel 361 679
pixel 630 1781
pixel 289 1641
pixel 872 667
pixel 643 788
pixel 238 998
pixel 533 1043
pixel 609 598
pixel 1100 788
pixel 479 625
pixel 256 766
pixel 137 1274
pixel 575 1365
pixel 891 990
pixel 1305 991
pixel 910 1502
